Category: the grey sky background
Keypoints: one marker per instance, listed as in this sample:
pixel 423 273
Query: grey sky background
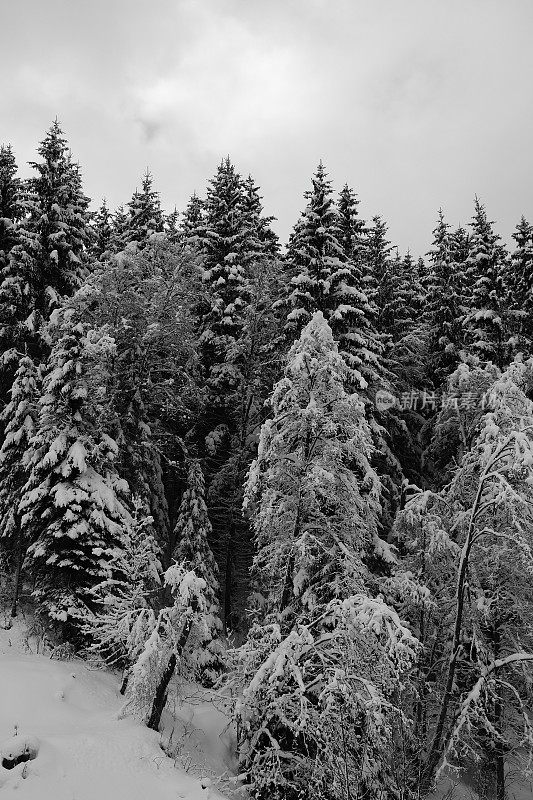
pixel 415 103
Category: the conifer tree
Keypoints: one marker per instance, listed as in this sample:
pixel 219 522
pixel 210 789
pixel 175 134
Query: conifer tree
pixel 352 228
pixel 312 466
pixel 377 263
pixel 172 226
pixel 145 215
pixel 398 294
pixel 520 290
pixel 19 418
pixel 49 259
pixel 261 239
pixel 192 534
pixel 119 230
pixel 225 242
pixel 192 223
pixel 314 255
pixel 224 276
pixel 59 219
pixel 102 246
pixel 314 503
pixel 485 275
pixel 444 304
pixel 14 269
pixel 327 279
pixel 73 507
pixel 461 248
pixel 11 208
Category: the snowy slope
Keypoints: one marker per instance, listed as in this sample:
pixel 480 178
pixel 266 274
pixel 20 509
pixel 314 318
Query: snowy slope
pixel 85 751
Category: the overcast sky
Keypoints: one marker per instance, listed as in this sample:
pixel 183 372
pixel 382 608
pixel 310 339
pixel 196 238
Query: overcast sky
pixel 415 103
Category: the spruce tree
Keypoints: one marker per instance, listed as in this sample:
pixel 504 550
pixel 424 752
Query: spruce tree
pixel 352 228
pixel 145 215
pixel 191 225
pixel 20 420
pixel 520 290
pixel 192 534
pixel 11 207
pixel 314 255
pixel 102 246
pixel 59 219
pixel 224 274
pixel 485 276
pixel 443 309
pixel 72 508
pixel 377 263
pixel 312 466
pixel 119 230
pixel 235 329
pixel 171 226
pixel 15 268
pixel 314 503
pixel 329 279
pixel 261 238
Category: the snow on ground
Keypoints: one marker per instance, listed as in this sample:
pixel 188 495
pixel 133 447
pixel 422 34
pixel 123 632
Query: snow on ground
pixel 518 788
pixel 69 714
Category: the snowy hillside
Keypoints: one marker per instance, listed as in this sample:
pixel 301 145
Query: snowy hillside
pixel 84 751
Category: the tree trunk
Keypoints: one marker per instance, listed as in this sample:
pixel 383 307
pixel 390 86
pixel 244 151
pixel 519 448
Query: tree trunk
pixel 124 685
pixel 160 698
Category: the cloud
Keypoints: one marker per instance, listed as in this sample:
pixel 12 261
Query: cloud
pixel 417 104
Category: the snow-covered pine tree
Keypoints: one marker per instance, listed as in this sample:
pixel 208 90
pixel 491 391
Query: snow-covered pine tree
pixel 224 277
pixel 307 726
pixel 399 293
pixel 520 290
pixel 193 533
pixel 171 226
pixel 443 304
pixel 19 290
pixel 19 420
pixel 119 229
pixel 72 508
pixel 230 252
pixel 329 279
pixel 12 305
pixel 192 222
pixel 312 466
pixel 314 255
pixel 352 229
pixel 60 220
pixel 102 225
pixel 145 214
pixel 485 276
pixel 259 227
pixel 11 209
pixel 378 254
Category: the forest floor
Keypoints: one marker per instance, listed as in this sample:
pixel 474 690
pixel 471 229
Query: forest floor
pixel 69 712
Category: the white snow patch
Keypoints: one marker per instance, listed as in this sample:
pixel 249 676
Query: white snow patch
pixel 84 750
